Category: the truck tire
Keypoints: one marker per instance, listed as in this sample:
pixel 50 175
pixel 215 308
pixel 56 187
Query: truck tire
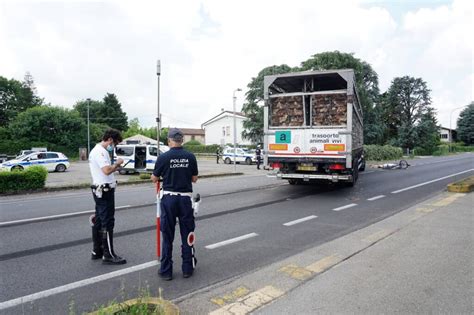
pixel 355 176
pixel 248 161
pixel 292 181
pixel 227 160
pixel 362 166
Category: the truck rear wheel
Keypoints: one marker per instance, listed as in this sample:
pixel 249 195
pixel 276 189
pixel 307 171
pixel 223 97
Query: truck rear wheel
pixel 355 176
pixel 293 181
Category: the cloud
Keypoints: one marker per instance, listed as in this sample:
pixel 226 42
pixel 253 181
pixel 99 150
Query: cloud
pixel 77 50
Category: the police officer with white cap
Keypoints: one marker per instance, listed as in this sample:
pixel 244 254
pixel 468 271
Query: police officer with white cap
pixel 178 170
pixel 103 190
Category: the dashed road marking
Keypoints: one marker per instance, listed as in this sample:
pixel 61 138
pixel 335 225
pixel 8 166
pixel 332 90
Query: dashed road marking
pixel 446 201
pixel 424 210
pixel 345 207
pixel 232 240
pixel 300 220
pixel 296 272
pixel 376 197
pixel 431 181
pixel 250 302
pixel 75 285
pixel 324 264
pixel 231 296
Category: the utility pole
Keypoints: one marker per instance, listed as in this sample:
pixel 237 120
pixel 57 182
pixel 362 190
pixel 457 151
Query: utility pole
pixel 88 128
pixel 234 98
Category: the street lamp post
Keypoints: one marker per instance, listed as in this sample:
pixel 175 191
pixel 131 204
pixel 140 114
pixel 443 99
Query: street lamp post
pixel 450 130
pixel 158 201
pixel 88 128
pixel 234 98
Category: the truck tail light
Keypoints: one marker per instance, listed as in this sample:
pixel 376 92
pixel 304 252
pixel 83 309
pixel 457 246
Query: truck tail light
pixel 276 165
pixel 337 167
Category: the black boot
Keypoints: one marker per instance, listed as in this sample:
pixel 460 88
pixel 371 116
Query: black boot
pixel 97 251
pixel 109 257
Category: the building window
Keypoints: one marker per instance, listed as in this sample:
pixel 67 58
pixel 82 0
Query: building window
pixel 193 137
pixel 227 130
pixel 223 131
pixel 444 136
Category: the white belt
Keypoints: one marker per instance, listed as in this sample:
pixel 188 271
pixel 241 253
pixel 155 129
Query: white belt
pixel 172 193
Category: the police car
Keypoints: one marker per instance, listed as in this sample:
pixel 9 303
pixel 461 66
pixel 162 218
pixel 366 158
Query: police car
pixel 241 156
pixel 52 161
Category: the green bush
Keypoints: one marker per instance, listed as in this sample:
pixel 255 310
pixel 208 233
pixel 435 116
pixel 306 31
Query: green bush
pixel 13 147
pixel 201 148
pixel 381 153
pixel 193 142
pixel 145 176
pixel 445 149
pixel 31 178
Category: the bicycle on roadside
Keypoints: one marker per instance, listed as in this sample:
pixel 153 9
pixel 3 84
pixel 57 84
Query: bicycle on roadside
pixel 402 164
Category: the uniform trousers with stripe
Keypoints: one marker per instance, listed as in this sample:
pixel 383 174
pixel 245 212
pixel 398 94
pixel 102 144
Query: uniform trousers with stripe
pixel 172 207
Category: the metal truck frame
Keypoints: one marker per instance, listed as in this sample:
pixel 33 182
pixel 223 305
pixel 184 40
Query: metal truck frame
pixel 313 126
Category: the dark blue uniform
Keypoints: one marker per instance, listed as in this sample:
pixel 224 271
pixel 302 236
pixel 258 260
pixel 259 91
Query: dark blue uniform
pixel 177 167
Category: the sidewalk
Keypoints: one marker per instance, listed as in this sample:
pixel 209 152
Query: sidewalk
pixel 79 174
pixel 418 261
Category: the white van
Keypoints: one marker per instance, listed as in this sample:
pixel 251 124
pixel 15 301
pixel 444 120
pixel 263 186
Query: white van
pixel 137 157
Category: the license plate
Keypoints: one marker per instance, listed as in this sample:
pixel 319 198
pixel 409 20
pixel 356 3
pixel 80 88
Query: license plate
pixel 306 168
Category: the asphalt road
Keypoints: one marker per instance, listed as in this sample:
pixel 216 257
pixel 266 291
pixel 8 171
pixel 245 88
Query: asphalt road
pixel 47 262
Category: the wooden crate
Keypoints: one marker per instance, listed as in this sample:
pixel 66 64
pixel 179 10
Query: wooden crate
pixel 287 111
pixel 329 109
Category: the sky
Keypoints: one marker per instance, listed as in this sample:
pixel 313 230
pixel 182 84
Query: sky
pixel 84 49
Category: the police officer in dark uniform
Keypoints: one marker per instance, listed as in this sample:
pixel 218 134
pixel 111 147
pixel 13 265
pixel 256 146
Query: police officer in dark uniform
pixel 258 153
pixel 178 170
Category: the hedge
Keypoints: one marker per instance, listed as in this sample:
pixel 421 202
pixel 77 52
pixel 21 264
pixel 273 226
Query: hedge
pixel 33 177
pixel 13 147
pixel 381 153
pixel 200 148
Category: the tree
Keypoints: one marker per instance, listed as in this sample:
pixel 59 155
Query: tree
pixel 108 112
pixel 465 123
pixel 366 82
pixel 113 109
pixel 16 97
pixel 253 124
pixel 407 100
pixel 427 132
pixel 52 125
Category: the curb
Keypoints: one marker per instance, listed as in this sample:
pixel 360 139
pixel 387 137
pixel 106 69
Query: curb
pixel 87 185
pixel 161 306
pixel 462 186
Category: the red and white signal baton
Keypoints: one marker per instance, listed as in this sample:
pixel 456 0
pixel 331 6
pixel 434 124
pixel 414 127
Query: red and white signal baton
pixel 158 220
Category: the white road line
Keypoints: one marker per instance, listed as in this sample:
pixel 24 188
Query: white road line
pixel 56 216
pixel 376 197
pixel 45 218
pixel 123 207
pixel 75 285
pixel 300 220
pixel 345 207
pixel 431 181
pixel 232 240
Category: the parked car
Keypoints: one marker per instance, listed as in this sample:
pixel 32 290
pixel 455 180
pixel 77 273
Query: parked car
pixel 52 161
pixel 241 156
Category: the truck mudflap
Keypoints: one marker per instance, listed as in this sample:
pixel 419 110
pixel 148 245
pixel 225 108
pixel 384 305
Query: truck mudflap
pixel 306 177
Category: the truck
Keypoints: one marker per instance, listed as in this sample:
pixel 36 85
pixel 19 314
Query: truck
pixel 313 127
